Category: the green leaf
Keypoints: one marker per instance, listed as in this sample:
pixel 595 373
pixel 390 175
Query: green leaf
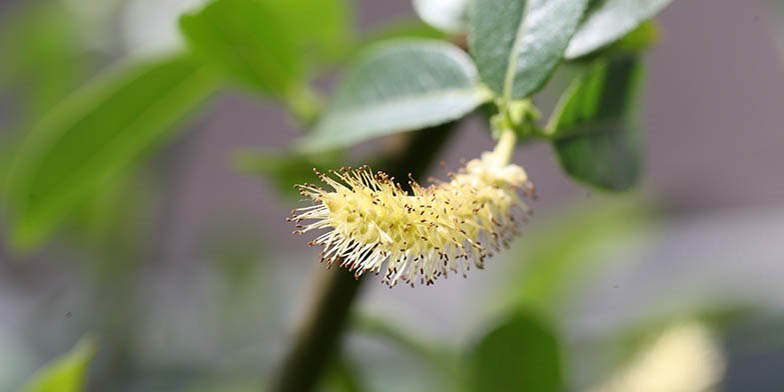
pixel 322 28
pixel 398 86
pixel 94 136
pixel 517 43
pixel 288 168
pixel 520 354
pixel 637 40
pixel 450 16
pixel 247 40
pixel 65 374
pixel 610 20
pixel 596 127
pixel 555 261
pixel 44 53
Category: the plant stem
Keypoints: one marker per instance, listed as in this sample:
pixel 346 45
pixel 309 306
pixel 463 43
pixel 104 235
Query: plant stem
pixel 505 147
pixel 319 337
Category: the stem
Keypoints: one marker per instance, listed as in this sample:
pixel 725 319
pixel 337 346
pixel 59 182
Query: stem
pixel 505 147
pixel 319 337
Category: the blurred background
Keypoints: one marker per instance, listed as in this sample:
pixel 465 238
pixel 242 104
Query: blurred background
pixel 190 279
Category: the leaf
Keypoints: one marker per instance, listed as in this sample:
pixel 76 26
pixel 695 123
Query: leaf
pixel 520 354
pixel 65 374
pixel 555 261
pixel 637 40
pixel 248 41
pixel 288 168
pixel 596 125
pixel 94 136
pixel 450 16
pixel 115 233
pixel 398 86
pixel 44 53
pixel 517 43
pixel 610 20
pixel 322 27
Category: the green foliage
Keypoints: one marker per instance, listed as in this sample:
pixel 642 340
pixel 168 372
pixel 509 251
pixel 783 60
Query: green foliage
pixel 520 354
pixel 342 376
pixel 78 158
pixel 556 260
pixel 247 40
pixel 639 39
pixel 398 86
pixel 65 374
pixel 95 135
pixel 321 29
pixel 596 125
pixel 516 44
pixel 609 20
pixel 111 232
pixel 42 47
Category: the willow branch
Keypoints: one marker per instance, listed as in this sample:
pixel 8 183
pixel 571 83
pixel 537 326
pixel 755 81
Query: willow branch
pixel 320 335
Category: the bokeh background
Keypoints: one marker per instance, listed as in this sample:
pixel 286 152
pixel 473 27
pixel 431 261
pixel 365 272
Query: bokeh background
pixel 199 285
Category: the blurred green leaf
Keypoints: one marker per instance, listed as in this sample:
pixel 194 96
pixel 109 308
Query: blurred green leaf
pixel 322 29
pixel 517 44
pixel 94 136
pixel 596 127
pixel 44 54
pixel 115 233
pixel 450 16
pixel 637 40
pixel 65 374
pixel 520 354
pixel 394 334
pixel 556 259
pixel 249 41
pixel 398 86
pixel 609 20
pixel 286 169
pixel 341 376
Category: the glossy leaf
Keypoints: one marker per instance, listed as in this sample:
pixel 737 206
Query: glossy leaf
pixel 596 125
pixel 520 354
pixel 249 41
pixel 610 20
pixel 399 86
pixel 450 16
pixel 94 136
pixel 517 43
pixel 65 374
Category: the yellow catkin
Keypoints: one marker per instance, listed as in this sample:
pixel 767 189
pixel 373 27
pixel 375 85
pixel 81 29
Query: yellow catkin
pixel 421 235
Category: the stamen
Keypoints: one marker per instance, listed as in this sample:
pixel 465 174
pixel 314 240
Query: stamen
pixel 421 235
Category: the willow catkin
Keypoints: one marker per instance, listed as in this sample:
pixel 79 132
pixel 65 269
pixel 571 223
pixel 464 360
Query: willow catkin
pixel 422 235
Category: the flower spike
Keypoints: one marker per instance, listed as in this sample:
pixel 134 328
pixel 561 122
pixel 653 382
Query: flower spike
pixel 421 235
